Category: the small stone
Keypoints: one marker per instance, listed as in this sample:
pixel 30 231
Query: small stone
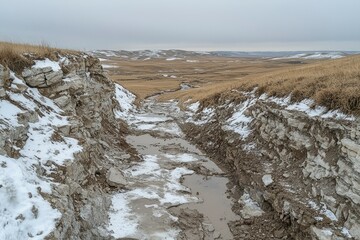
pixel 115 178
pixel 267 180
pixel 286 175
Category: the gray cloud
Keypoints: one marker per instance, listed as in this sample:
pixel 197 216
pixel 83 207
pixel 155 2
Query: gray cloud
pixel 195 24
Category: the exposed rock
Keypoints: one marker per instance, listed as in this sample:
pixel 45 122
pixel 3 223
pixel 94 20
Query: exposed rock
pixel 115 178
pixel 42 77
pixel 62 101
pixel 267 180
pixel 85 96
pixel 53 77
pixel 314 164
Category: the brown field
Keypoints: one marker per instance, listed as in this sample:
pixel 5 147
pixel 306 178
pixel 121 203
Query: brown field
pixel 331 83
pixel 208 75
pixel 12 54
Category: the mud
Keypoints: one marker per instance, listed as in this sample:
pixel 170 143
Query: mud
pixel 175 192
pixel 216 204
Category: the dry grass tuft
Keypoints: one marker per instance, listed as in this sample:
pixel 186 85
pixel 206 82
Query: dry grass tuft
pixel 19 56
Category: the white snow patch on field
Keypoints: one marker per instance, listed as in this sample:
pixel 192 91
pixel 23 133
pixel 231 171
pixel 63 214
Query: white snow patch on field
pixel 47 63
pixel 173 59
pixel 316 55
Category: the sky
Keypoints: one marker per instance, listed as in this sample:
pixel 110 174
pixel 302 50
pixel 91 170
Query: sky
pixel 243 25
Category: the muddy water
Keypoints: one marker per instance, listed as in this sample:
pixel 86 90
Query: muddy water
pixel 173 173
pixel 215 203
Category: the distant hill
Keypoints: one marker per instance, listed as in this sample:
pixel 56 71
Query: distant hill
pixel 174 54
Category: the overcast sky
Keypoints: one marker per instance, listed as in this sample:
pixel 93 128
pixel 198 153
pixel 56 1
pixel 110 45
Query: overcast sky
pixel 184 24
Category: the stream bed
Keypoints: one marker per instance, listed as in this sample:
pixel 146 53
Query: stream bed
pixel 173 177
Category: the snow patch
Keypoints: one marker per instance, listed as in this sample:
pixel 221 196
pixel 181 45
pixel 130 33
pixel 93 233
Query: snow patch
pixel 173 59
pixel 122 222
pixel 126 101
pixel 47 63
pixel 108 66
pixel 8 114
pixel 184 157
pixel 194 107
pixel 23 211
pixel 239 121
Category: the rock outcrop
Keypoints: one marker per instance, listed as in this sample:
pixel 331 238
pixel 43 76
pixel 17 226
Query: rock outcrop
pixel 303 167
pixel 66 108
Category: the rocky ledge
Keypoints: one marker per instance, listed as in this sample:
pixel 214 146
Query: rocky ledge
pixel 300 164
pixel 60 148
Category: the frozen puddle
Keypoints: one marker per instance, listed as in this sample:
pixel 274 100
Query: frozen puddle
pixel 165 179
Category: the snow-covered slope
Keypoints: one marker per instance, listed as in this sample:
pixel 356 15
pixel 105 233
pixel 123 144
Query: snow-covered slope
pixel 24 212
pixel 314 55
pixel 58 135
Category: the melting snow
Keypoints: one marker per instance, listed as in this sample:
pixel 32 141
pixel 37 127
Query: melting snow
pixel 239 121
pixel 124 221
pixel 8 113
pixel 173 59
pixel 24 213
pixel 346 232
pixel 316 55
pixel 184 157
pixel 47 63
pixel 194 107
pixel 126 101
pixel 108 66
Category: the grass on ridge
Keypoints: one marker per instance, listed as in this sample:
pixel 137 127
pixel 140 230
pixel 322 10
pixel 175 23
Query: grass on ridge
pixel 13 54
pixel 334 84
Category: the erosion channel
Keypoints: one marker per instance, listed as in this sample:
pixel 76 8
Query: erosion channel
pixel 175 191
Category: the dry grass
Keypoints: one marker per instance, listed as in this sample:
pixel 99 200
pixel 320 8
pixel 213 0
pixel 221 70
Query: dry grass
pixel 334 84
pixel 17 56
pixel 145 78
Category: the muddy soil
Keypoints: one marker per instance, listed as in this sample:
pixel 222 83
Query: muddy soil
pixel 175 192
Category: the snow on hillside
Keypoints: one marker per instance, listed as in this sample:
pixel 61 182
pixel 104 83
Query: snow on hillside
pixel 240 119
pixel 24 213
pixel 315 55
pixel 126 101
